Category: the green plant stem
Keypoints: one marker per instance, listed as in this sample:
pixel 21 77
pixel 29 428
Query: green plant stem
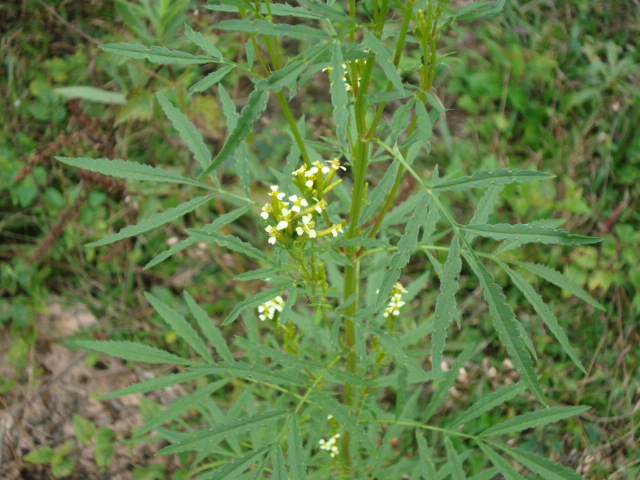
pixel 294 128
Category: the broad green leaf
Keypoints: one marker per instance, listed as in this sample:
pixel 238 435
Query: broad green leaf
pixel 256 104
pixel 488 402
pixel 209 436
pixel 425 128
pixel 83 428
pixel 506 469
pixel 542 466
pixel 92 94
pixel 236 468
pixel 153 384
pixel 379 194
pixel 256 373
pixel 201 41
pixel 135 352
pixel 104 446
pixel 446 381
pixel 41 456
pixel 559 280
pixel 534 419
pixel 296 454
pixel 254 301
pixel 457 473
pixel 339 96
pixel 154 221
pixel 545 313
pixel 179 324
pixel 279 470
pixel 505 323
pixel 485 179
pixel 265 27
pixel 187 131
pixel 208 328
pixel 218 223
pixel 445 310
pixel 228 241
pixel 212 79
pixel 156 54
pixel 181 405
pixel 383 58
pixel 524 233
pixel 129 170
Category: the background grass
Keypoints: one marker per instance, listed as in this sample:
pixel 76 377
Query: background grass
pixel 553 86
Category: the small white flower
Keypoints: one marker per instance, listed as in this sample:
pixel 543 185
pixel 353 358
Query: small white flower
pixel 273 233
pixel 298 203
pixel 335 164
pixel 282 225
pixel 266 210
pixel 268 309
pixel 276 193
pixel 307 227
pixel 320 206
pixel 335 229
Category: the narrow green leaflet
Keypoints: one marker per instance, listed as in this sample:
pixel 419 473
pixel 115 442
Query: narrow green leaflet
pixel 513 244
pixel 505 468
pixel 457 473
pixel 534 419
pixel 187 131
pixel 485 179
pixel 379 193
pixel 279 470
pixel 181 405
pixel 153 384
pixel 129 170
pixel 265 27
pixel 393 348
pixel 445 303
pixel 256 104
pixel 201 41
pixel 425 454
pixel 154 221
pixel 179 324
pixel 559 280
pixel 212 79
pixel 489 474
pixel 280 9
pixel 218 223
pixel 542 466
pixel 92 94
pixel 488 402
pixel 545 313
pixel 524 233
pixel 425 127
pixel 254 301
pixel 296 454
pixel 208 328
pixel 209 436
pixel 486 206
pixel 383 58
pixel 236 468
pixel 446 382
pixel 505 323
pixel 339 97
pixel 156 54
pixel 256 373
pixel 228 241
pixel 135 352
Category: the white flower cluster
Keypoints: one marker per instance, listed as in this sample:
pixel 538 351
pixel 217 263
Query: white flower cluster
pixel 330 445
pixel 268 309
pixel 396 303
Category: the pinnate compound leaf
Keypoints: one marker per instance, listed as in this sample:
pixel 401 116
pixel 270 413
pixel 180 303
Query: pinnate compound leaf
pixel 505 323
pixel 529 234
pixel 457 473
pixel 208 437
pixel 129 170
pixel 542 466
pixel 445 303
pixel 208 328
pixel 256 104
pixel 545 313
pixel 339 97
pixel 502 464
pixel 296 454
pixel 559 280
pixel 228 241
pixel 534 419
pixel 179 324
pixel 156 54
pixel 236 467
pixel 135 352
pixel 187 131
pixel 201 41
pixel 488 402
pixel 154 221
pixel 153 384
pixel 485 179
